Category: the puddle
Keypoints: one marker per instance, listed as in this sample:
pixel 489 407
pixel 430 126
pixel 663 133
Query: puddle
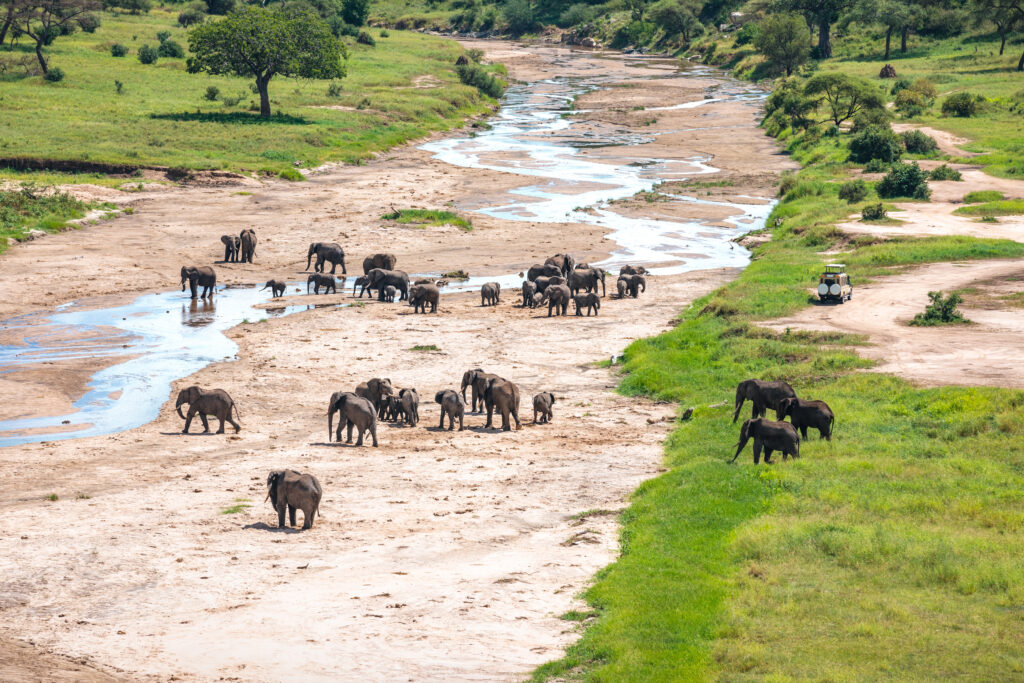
pixel 163 337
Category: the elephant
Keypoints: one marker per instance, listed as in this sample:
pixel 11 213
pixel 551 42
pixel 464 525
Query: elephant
pixel 557 297
pixel 565 263
pixel 586 278
pixel 529 289
pixel 421 295
pixel 232 245
pixel 391 409
pixel 389 294
pixel 469 379
pixel 276 287
pixel 353 411
pixel 764 395
pixel 318 280
pixel 382 261
pixel 633 270
pixel 773 436
pixel 203 276
pixel 410 400
pixel 452 405
pixel 288 489
pixel 545 281
pixel 502 395
pixel 214 402
pixel 380 278
pixel 326 251
pixel 547 270
pixel 622 286
pixel 248 245
pixel 635 284
pixel 542 403
pixel 375 390
pixel 538 300
pixel 489 294
pixel 591 302
pixel 806 414
pixel 364 282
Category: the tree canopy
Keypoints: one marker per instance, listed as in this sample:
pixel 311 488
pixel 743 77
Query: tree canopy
pixel 782 39
pixel 845 95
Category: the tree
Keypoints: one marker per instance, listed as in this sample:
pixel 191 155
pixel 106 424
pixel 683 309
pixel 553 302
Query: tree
pixel 895 15
pixel 261 43
pixel 781 38
pixel 676 18
pixel 1006 15
pixel 355 12
pixel 44 20
pixel 819 13
pixel 845 95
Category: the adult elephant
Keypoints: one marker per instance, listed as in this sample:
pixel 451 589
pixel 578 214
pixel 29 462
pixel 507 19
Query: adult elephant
pixel 503 396
pixel 201 402
pixel 565 263
pixel 247 248
pixel 375 390
pixel 477 381
pixel 291 491
pixel 558 297
pixel 201 276
pixel 763 395
pixel 382 261
pixel 585 278
pixel 544 281
pixel 410 400
pixel 326 251
pixel 632 270
pixel 353 411
pixel 770 435
pixel 324 281
pixel 538 269
pixel 467 381
pixel 453 406
pixel 379 278
pixel 635 284
pixel 421 296
pixel 232 245
pixel 804 414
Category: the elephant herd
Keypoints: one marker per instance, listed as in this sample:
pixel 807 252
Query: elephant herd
pixel 778 435
pixel 560 280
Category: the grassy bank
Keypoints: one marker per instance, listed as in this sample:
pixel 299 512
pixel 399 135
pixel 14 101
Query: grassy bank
pixel 31 207
pixel 403 88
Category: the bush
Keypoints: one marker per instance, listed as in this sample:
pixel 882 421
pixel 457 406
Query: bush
pixel 910 103
pixel 575 15
pixel 747 34
pixel 962 104
pixel 486 20
pixel 355 12
pixel 901 84
pixel 339 28
pixel 925 88
pixel 291 174
pixel 875 143
pixel 365 38
pixel 231 101
pixel 519 16
pixel 384 33
pixel 868 118
pixel 163 36
pixel 191 16
pixel 873 212
pixel 475 54
pixel 148 54
pixel 876 166
pixel 212 93
pixel 89 22
pixel 941 311
pixel 981 196
pixel 944 172
pixel 219 6
pixel 54 75
pixel 476 76
pixel 904 180
pixel 171 49
pixel 675 18
pixel 334 89
pixel 118 50
pixel 917 142
pixel 853 191
pixel 119 87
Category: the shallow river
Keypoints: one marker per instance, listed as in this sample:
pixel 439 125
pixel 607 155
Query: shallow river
pixel 537 133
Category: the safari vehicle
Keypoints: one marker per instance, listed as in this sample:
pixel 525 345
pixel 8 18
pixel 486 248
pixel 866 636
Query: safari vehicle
pixel 834 284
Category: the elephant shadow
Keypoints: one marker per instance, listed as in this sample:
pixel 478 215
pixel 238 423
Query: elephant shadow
pixel 341 444
pixel 212 432
pixel 263 526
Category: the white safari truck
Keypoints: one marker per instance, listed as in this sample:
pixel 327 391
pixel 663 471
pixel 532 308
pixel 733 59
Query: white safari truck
pixel 834 284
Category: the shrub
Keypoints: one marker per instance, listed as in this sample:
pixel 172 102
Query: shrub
pixel 365 38
pixel 876 166
pixel 962 104
pixel 944 172
pixel 476 76
pixel 384 33
pixel 870 117
pixel 171 49
pixel 163 36
pixel 54 75
pixel 519 16
pixel 925 88
pixel 148 54
pixel 291 174
pixel 910 103
pixel 904 180
pixel 118 50
pixel 191 16
pixel 339 28
pixel 873 212
pixel 575 15
pixel 355 12
pixel 334 89
pixel 475 54
pixel 853 191
pixel 220 6
pixel 901 84
pixel 941 311
pixel 119 87
pixel 486 20
pixel 875 143
pixel 231 101
pixel 212 93
pixel 747 34
pixel 89 22
pixel 917 142
pixel 981 196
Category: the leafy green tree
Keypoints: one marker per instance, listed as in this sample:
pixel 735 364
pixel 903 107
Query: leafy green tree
pixel 782 39
pixel 261 43
pixel 1008 17
pixel 819 13
pixel 896 16
pixel 44 20
pixel 845 95
pixel 355 12
pixel 676 18
pixel 519 16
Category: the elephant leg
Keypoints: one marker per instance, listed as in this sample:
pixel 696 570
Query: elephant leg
pixel 348 433
pixel 757 451
pixel 441 425
pixel 341 423
pixel 291 515
pixel 307 518
pixel 768 456
pixel 334 266
pixel 359 438
pixel 461 425
pixel 803 431
pixel 280 515
pixel 188 420
pixel 373 434
pixel 206 423
pixel 220 430
pixel 490 411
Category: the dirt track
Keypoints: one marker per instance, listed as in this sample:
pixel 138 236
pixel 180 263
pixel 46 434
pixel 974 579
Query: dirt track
pixel 440 555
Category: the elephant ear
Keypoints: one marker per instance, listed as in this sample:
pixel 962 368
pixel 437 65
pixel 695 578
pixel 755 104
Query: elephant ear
pixel 552 398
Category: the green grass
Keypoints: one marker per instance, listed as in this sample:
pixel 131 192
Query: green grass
pixel 425 347
pixel 980 196
pixel 1006 207
pixel 35 207
pixel 240 505
pixel 163 119
pixel 53 497
pixel 428 217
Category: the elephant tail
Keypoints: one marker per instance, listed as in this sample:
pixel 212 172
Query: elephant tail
pixel 234 406
pixel 831 424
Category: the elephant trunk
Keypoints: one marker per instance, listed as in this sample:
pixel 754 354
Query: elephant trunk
pixel 330 424
pixel 739 404
pixel 309 258
pixel 739 447
pixel 177 407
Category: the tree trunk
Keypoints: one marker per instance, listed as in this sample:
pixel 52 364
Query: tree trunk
pixel 824 42
pixel 888 40
pixel 1020 64
pixel 903 40
pixel 1002 44
pixel 9 19
pixel 39 55
pixel 261 84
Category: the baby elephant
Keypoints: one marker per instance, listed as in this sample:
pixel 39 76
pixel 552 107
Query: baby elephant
pixel 410 401
pixel 489 294
pixel 806 414
pixel 529 289
pixel 542 404
pixel 294 491
pixel 364 282
pixel 215 402
pixel 591 302
pixel 622 286
pixel 276 287
pixel 319 280
pixel 453 405
pixel 389 294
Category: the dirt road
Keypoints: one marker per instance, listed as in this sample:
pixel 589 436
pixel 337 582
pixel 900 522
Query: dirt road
pixel 440 555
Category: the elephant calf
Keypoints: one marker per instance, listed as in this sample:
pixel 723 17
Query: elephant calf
pixel 542 405
pixel 632 270
pixel 364 282
pixel 529 289
pixel 489 294
pixel 318 280
pixel 453 405
pixel 200 402
pixel 591 302
pixel 420 296
pixel 410 406
pixel 276 287
pixel 557 297
pixel 389 294
pixel 622 286
pixel 806 414
pixel 232 245
pixel 772 436
pixel 287 489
